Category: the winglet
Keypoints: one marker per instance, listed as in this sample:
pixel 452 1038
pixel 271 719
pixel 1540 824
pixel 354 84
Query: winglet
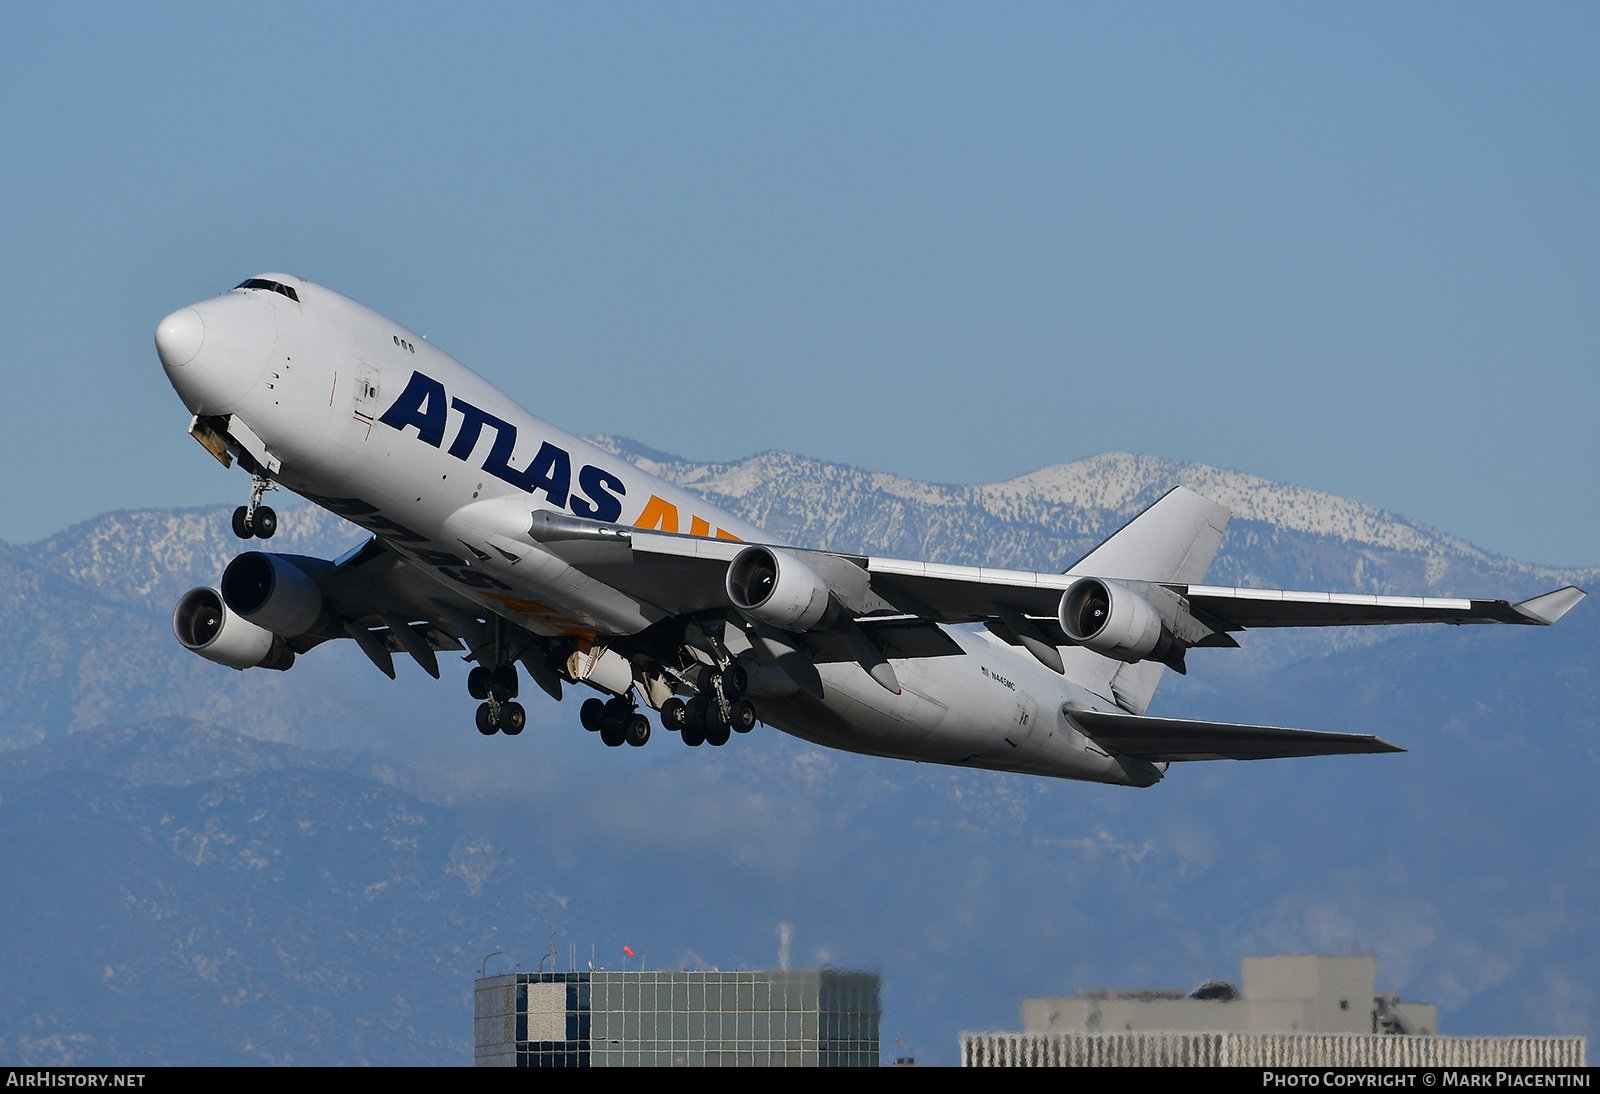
pixel 1551 606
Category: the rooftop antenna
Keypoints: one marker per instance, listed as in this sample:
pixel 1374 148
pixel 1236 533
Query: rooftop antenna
pixel 483 969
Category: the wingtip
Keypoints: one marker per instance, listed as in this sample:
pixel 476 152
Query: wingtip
pixel 1551 606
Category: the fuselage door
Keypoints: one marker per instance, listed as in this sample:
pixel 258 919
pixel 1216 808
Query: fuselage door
pixel 367 382
pixel 1024 722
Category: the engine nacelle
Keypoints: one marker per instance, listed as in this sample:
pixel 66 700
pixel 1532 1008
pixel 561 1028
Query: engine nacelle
pixel 205 625
pixel 1114 620
pixel 773 586
pixel 271 592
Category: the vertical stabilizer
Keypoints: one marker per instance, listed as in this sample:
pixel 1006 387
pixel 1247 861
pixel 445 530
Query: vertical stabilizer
pixel 1173 540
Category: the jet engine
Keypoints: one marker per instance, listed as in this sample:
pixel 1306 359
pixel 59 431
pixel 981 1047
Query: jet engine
pixel 205 625
pixel 773 586
pixel 1114 620
pixel 271 592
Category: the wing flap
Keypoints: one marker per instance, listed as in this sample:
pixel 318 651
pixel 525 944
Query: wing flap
pixel 898 637
pixel 1160 740
pixel 964 594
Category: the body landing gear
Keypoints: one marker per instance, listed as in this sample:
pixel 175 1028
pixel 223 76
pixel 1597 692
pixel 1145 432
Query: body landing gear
pixel 256 519
pixel 616 720
pixel 712 716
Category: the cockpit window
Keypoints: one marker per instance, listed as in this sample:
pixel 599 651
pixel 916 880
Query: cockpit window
pixel 263 283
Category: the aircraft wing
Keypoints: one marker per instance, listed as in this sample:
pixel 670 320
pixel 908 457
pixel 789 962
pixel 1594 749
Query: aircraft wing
pixel 683 574
pixel 385 604
pixel 1161 740
pixel 1238 609
pixel 962 594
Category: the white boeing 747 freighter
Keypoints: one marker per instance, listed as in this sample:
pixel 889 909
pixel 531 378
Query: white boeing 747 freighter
pixel 498 535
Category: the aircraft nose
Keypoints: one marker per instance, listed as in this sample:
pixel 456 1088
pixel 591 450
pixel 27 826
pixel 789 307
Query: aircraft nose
pixel 179 337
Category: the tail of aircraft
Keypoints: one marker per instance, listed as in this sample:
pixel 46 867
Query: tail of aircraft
pixel 1172 541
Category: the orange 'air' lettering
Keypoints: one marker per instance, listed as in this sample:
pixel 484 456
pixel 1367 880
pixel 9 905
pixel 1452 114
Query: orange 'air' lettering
pixel 724 534
pixel 658 514
pixel 699 526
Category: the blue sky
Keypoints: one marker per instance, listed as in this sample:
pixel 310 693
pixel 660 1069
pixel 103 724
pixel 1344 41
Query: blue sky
pixel 1351 247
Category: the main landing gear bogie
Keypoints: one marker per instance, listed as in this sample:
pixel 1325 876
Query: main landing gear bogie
pixel 498 713
pixel 508 718
pixel 717 712
pixel 617 722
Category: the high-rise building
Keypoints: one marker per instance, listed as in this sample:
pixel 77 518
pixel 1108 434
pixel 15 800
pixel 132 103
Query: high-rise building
pixel 826 1018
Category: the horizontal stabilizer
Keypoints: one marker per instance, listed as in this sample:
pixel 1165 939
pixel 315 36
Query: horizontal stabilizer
pixel 1550 607
pixel 1160 740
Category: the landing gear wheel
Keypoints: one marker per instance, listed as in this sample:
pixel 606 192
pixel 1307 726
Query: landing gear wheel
pixel 734 681
pixel 512 718
pixel 264 523
pixel 693 736
pixel 704 680
pixel 612 733
pixel 743 716
pixel 478 683
pixel 503 684
pixel 717 734
pixel 638 732
pixel 674 715
pixel 593 715
pixel 619 710
pixel 486 720
pixel 241 522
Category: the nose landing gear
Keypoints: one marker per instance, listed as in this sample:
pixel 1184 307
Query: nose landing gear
pixel 256 519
